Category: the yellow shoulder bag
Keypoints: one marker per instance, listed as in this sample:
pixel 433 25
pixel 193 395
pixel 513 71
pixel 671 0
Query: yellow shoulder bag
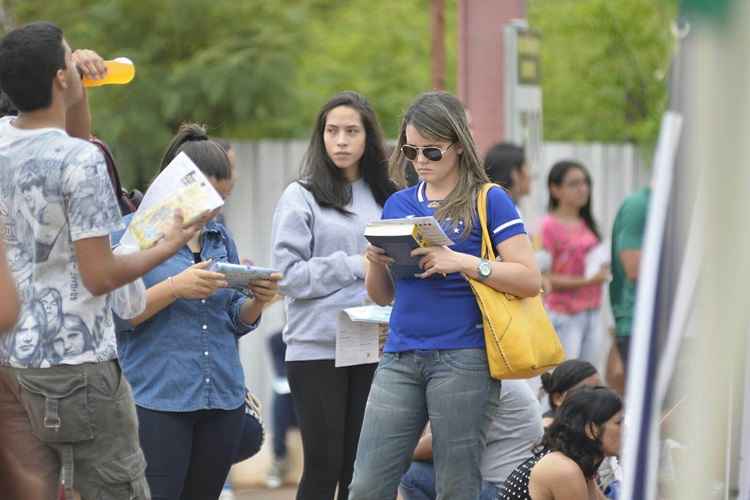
pixel 520 339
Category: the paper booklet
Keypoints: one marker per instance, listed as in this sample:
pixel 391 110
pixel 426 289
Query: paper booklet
pixel 361 332
pixel 398 237
pixel 598 257
pixel 180 185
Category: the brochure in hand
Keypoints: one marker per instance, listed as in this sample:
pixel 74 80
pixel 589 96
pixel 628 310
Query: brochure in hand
pixel 181 185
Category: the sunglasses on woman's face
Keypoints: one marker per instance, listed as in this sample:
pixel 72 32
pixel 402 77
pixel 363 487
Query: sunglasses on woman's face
pixel 432 153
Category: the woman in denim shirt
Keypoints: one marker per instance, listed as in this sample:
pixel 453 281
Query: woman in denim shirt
pixel 182 354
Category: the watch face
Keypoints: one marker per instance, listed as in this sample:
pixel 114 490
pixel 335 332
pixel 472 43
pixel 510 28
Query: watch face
pixel 485 268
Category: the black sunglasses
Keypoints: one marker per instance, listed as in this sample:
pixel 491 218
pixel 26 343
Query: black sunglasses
pixel 432 153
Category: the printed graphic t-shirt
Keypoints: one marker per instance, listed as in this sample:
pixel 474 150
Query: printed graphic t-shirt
pixel 54 190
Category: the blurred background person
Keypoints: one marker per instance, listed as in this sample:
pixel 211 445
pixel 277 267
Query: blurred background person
pixel 282 411
pixel 505 164
pixel 627 239
pixel 569 233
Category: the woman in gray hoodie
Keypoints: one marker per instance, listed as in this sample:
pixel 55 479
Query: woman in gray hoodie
pixel 318 245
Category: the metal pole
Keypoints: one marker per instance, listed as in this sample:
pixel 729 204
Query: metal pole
pixel 437 11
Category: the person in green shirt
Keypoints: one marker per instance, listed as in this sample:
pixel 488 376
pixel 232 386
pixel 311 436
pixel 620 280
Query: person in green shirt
pixel 627 240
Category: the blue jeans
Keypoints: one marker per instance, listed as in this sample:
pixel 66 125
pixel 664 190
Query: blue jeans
pixel 419 484
pixel 580 335
pixel 449 387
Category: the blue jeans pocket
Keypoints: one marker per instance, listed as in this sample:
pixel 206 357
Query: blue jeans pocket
pixel 387 359
pixel 466 360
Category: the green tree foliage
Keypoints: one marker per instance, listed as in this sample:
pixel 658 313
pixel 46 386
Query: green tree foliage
pixel 604 64
pixel 225 63
pixel 256 69
pixel 248 69
pixel 381 49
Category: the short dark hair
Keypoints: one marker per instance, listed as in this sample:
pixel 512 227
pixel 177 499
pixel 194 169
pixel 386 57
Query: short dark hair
pixel 30 57
pixel 7 108
pixel 501 161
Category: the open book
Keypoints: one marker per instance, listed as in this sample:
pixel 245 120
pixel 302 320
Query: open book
pixel 398 237
pixel 180 185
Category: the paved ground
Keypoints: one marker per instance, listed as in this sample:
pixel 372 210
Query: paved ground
pixel 287 493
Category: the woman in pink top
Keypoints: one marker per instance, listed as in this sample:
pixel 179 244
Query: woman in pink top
pixel 569 233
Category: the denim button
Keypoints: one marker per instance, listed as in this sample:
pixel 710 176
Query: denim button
pixel 205 327
pixel 208 380
pixel 205 353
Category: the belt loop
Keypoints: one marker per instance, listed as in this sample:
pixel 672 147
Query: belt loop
pixel 67 471
pixel 51 413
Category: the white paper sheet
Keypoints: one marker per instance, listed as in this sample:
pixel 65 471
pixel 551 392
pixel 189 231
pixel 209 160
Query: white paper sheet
pixel 598 257
pixel 358 336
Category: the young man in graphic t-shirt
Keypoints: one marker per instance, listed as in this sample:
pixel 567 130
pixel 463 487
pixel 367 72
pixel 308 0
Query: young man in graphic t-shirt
pixel 66 413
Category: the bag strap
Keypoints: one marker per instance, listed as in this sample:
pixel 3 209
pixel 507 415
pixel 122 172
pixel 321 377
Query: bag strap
pixel 127 205
pixel 488 252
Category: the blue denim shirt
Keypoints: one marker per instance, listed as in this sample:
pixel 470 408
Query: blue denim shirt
pixel 186 357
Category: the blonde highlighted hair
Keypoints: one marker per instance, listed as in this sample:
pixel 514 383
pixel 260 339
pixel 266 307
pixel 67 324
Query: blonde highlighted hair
pixel 441 116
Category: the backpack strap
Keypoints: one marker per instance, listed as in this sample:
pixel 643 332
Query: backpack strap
pixel 127 205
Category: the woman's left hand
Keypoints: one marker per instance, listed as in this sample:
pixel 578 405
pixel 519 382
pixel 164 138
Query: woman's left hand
pixel 265 290
pixel 439 260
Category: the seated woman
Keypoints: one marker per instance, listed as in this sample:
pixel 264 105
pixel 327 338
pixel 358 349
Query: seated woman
pixel 565 464
pixel 568 375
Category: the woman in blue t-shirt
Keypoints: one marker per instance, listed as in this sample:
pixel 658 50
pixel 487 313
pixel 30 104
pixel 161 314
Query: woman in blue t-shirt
pixel 435 366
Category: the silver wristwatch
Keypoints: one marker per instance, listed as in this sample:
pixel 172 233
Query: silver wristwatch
pixel 484 269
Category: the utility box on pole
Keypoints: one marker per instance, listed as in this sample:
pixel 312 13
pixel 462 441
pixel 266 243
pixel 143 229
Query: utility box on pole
pixel 523 91
pixel 523 105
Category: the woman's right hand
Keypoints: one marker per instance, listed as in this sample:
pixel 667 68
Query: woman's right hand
pixel 196 282
pixel 377 255
pixel 601 277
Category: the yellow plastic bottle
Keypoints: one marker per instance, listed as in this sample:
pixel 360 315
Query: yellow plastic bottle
pixel 119 72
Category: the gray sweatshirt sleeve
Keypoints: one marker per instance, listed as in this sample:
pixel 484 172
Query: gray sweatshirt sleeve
pixel 293 240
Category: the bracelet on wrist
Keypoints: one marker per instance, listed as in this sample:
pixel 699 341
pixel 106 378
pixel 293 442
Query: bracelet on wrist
pixel 172 287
